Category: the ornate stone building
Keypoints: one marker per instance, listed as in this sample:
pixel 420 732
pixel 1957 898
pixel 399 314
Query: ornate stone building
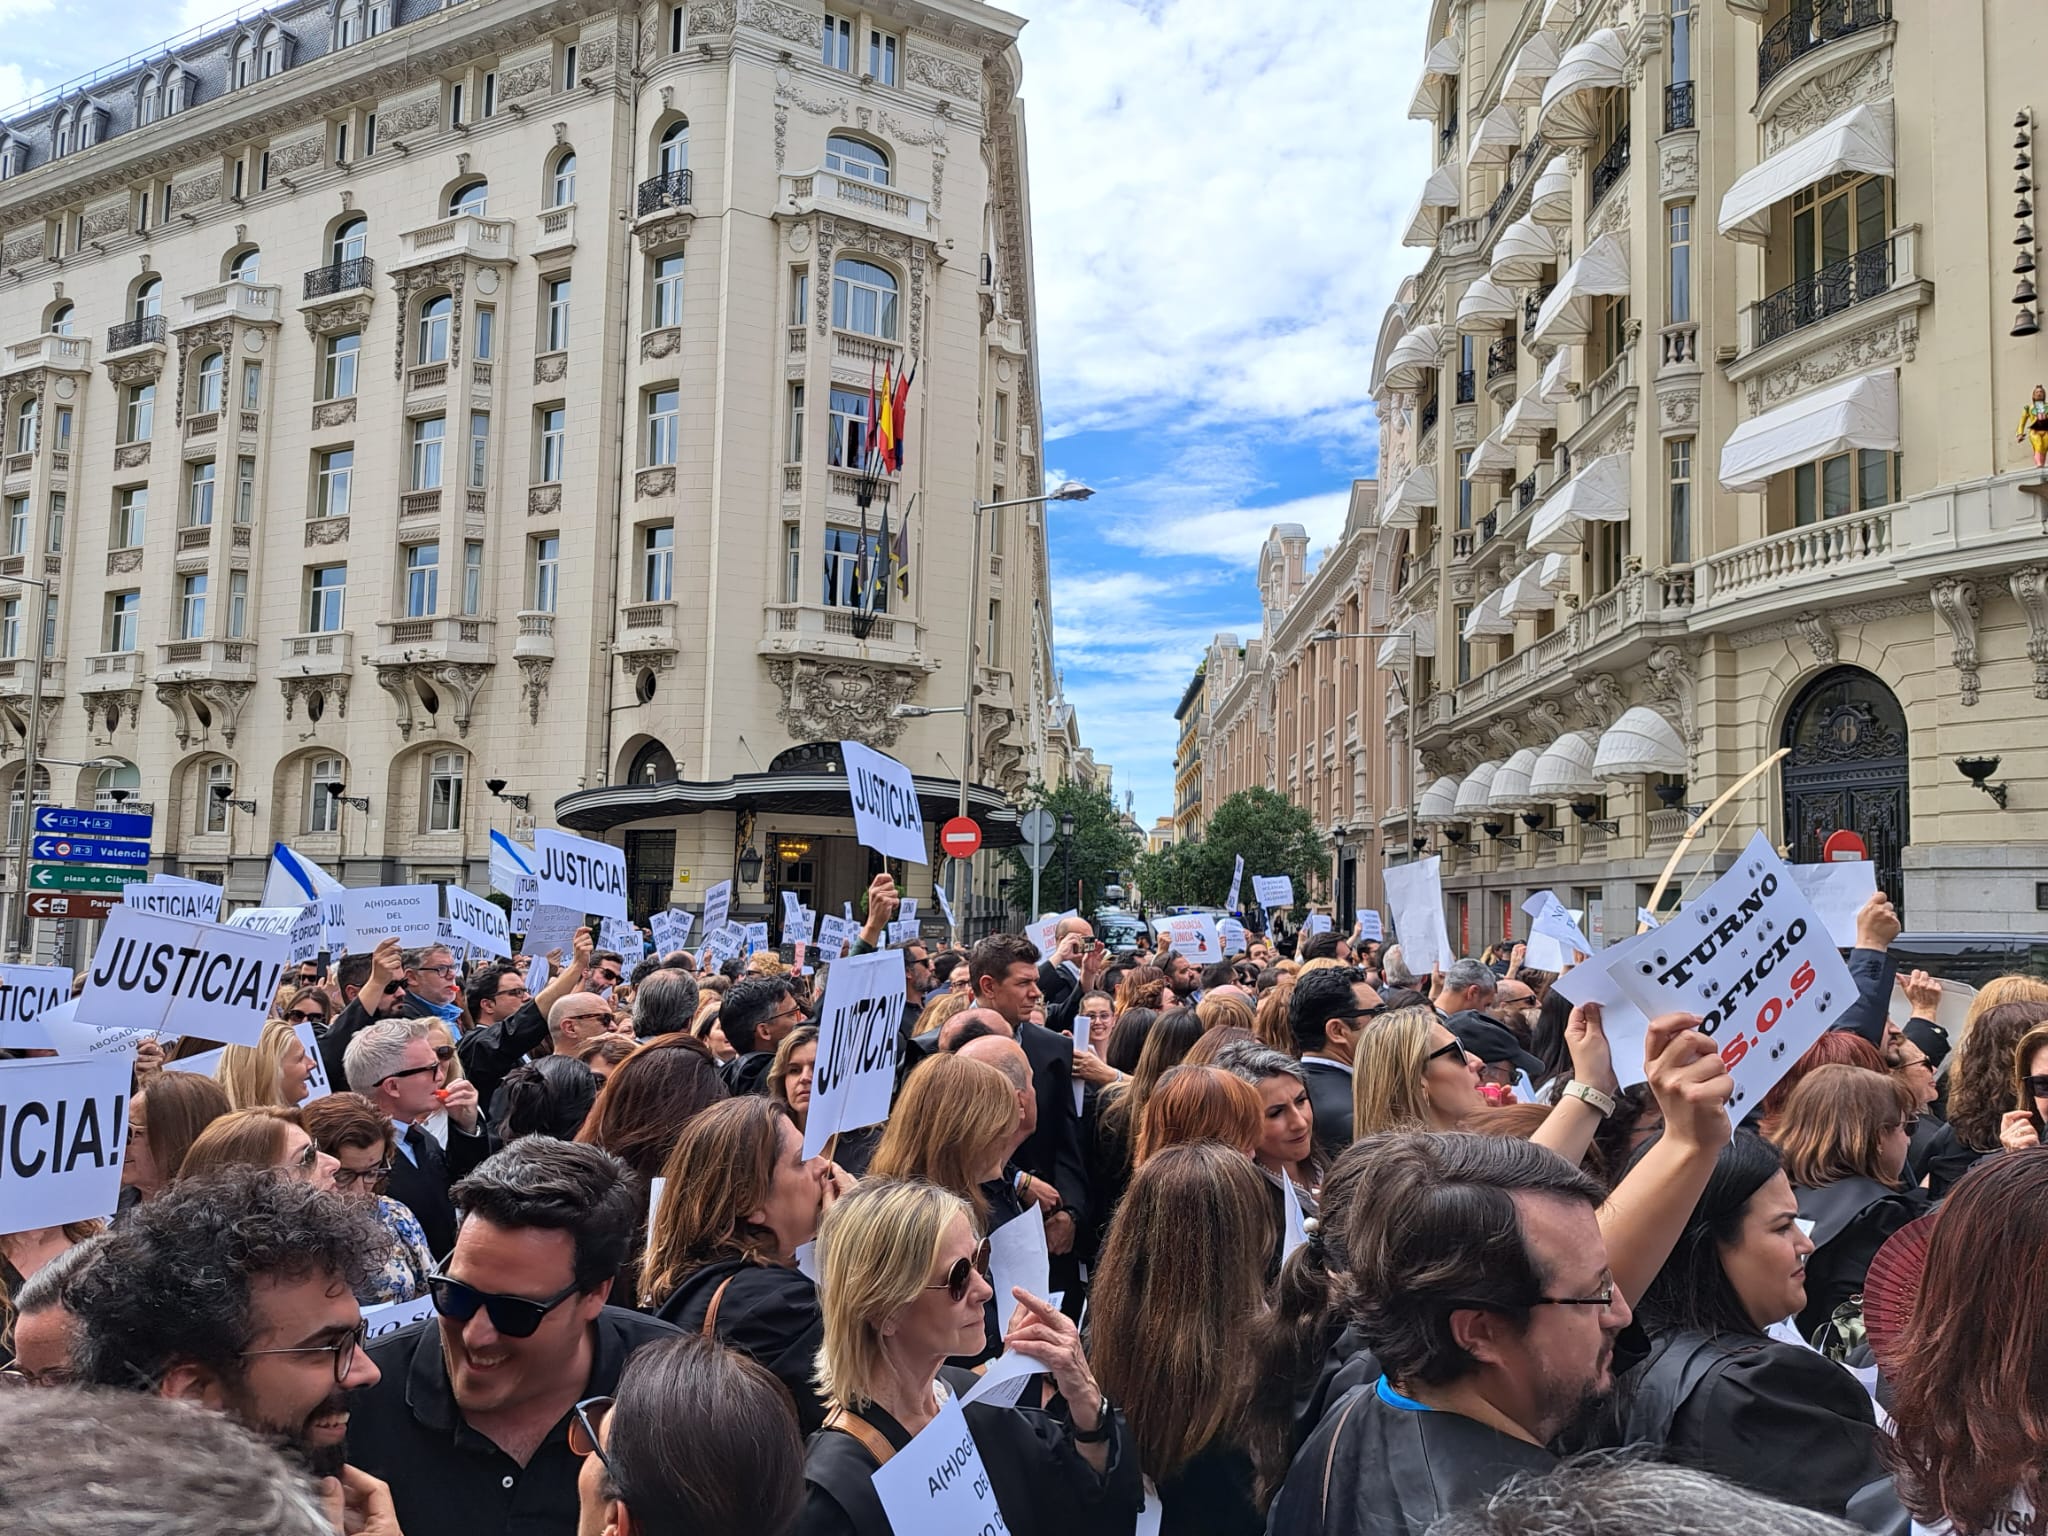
pixel 1714 363
pixel 410 404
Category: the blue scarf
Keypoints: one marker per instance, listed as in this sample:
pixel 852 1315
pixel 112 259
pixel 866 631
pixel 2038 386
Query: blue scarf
pixel 449 1013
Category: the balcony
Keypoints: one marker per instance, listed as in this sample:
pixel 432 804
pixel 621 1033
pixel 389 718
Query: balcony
pixel 1814 24
pixel 69 354
pixel 17 677
pixel 326 653
pixel 1432 409
pixel 1678 106
pixel 199 537
pixel 1834 288
pixel 1502 356
pixel 1680 348
pixel 112 672
pixel 557 230
pixel 1828 552
pixel 662 194
pixel 420 504
pixel 536 636
pixel 1532 306
pixel 252 303
pixel 644 629
pixel 130 334
pixel 442 639
pixel 829 192
pixel 341 277
pixel 1607 170
pixel 192 660
pixel 465 235
pixel 807 629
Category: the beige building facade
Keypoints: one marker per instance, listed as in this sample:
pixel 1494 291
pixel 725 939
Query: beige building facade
pixel 430 420
pixel 1714 364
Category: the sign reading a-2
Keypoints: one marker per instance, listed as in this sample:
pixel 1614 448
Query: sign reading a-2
pixel 88 850
pixel 57 818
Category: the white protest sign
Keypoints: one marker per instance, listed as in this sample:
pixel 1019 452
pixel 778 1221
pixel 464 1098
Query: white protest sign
pixel 906 909
pixel 717 906
pixel 1415 900
pixel 616 933
pixel 537 975
pixel 671 929
pixel 1193 935
pixel 757 937
pixel 792 909
pixel 552 928
pixel 181 978
pixel 1645 918
pixel 1752 959
pixel 834 935
pixel 317 1086
pixel 856 1072
pixel 1230 933
pixel 1297 1229
pixel 27 992
pixel 886 817
pixel 64 1123
pixel 1002 1380
pixel 1040 934
pixel 205 1064
pixel 58 1030
pixel 945 905
pixel 1540 952
pixel 167 897
pixel 1369 924
pixel 580 873
pixel 1082 1039
pixel 382 1322
pixel 478 923
pixel 903 931
pixel 937 1483
pixel 410 914
pixel 1018 1256
pixel 1273 890
pixel 1549 917
pixel 802 930
pixel 1836 893
pixel 1626 1026
pixel 727 943
pixel 1236 884
pixel 1316 922
pixel 524 900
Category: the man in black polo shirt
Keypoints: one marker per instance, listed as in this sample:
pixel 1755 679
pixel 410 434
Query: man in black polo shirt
pixel 469 1423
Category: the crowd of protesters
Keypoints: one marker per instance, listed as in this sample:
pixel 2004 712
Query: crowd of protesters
pixel 1331 1247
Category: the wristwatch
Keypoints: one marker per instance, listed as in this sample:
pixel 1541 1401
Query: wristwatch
pixel 1104 1424
pixel 1604 1102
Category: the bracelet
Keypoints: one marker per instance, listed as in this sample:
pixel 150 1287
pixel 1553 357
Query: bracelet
pixel 1603 1102
pixel 1105 1424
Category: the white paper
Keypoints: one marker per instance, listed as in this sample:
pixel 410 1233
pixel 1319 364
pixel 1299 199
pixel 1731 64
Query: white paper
pixel 671 929
pixel 478 923
pixel 410 914
pixel 1297 1230
pixel 1626 1026
pixel 1549 917
pixel 1193 935
pixel 1231 935
pixel 1041 933
pixel 1951 1013
pixel 550 929
pixel 1369 924
pixel 205 1064
pixel 1003 1380
pixel 1082 1037
pixel 906 909
pixel 317 1086
pixel 1837 893
pixel 807 1260
pixel 856 1071
pixel 27 992
pixel 167 896
pixel 717 906
pixel 580 872
pixel 1316 922
pixel 1415 900
pixel 937 1484
pixel 886 816
pixel 1018 1256
pixel 511 864
pixel 1540 952
pixel 300 925
pixel 756 937
pixel 382 1322
pixel 615 933
pixel 537 976
pixel 1236 882
pixel 1645 918
pixel 181 978
pixel 655 1186
pixel 945 905
pixel 59 1030
pixel 1271 891
pixel 64 1123
pixel 524 900
pixel 834 935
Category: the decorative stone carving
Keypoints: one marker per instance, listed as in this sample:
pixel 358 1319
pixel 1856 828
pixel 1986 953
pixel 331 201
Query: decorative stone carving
pixel 652 660
pixel 954 79
pixel 344 315
pixel 665 342
pixel 199 191
pixel 673 229
pixel 834 700
pixel 1465 426
pixel 1678 166
pixel 1611 217
pixel 594 55
pixel 106 713
pixel 331 691
pixel 131 455
pixel 1546 717
pixel 657 481
pixel 326 530
pixel 1819 636
pixel 456 683
pixel 451 275
pixel 1681 407
pixel 145 366
pixel 1827 96
pixel 1893 339
pixel 712 16
pixel 409 117
pixel 298 155
pixel 1843 618
pixel 2030 586
pixel 334 413
pixel 543 500
pixel 22 249
pixel 1505 733
pixel 551 368
pixel 525 79
pixel 788 22
pixel 1599 698
pixel 198 704
pixel 1955 601
pixel 219 335
pixel 534 672
pixel 1672 682
pixel 787 96
pixel 935 140
pixel 839 235
pixel 104 223
pixel 14 716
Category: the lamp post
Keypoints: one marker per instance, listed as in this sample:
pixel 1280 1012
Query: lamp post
pixel 1067 856
pixel 334 788
pixel 19 936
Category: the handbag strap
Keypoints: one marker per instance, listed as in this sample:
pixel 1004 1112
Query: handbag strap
pixel 1330 1456
pixel 711 1312
pixel 870 1439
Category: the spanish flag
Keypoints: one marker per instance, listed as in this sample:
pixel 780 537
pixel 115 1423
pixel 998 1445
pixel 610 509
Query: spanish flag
pixel 885 428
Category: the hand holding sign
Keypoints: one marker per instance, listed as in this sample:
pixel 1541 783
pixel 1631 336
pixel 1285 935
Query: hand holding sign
pixel 1691 1085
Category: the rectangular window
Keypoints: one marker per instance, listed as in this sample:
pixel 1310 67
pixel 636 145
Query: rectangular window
pixel 484 339
pixel 1681 41
pixel 799 294
pixel 241 171
pixel 336 469
pixel 422 580
pixel 882 58
pixel 479 449
pixel 838 49
pixel 554 442
pixel 252 386
pixel 675 28
pixel 664 425
pixel 326 597
pixel 323 811
pixel 262 171
pixel 490 96
pixel 427 434
pixel 199 495
pixel 139 415
pixel 668 291
pixel 992 651
pixel 124 617
pixel 1465 489
pixel 472 578
pixel 1679 456
pixel 569 68
pixel 851 559
pixel 1678 276
pixel 10 627
pixel 1002 418
pixel 50 625
pixel 546 560
pixel 658 563
pixel 792 563
pixel 238 605
pixel 369 134
pixel 555 325
pixel 455 105
pixel 192 607
pixel 795 452
pixel 63 443
pixel 17 525
pixel 58 503
pixel 341 143
pixel 245 490
pixel 1458 617
pixel 338 360
pixel 131 516
pixel 444 792
pixel 849 426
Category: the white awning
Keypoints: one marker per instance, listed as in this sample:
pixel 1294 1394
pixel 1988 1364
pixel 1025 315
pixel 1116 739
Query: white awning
pixel 1571 109
pixel 1641 741
pixel 1416 491
pixel 1486 619
pixel 1443 63
pixel 1428 99
pixel 1423 225
pixel 1598 493
pixel 1422 630
pixel 1473 792
pixel 1551 202
pixel 1565 769
pixel 1397 652
pixel 1418 353
pixel 1487 306
pixel 1524 249
pixel 1557 382
pixel 1556 575
pixel 1492 457
pixel 1857 412
pixel 1499 136
pixel 1558 15
pixel 1861 139
pixel 1439 802
pixel 1567 314
pixel 1535 62
pixel 1510 790
pixel 1441 191
pixel 1524 597
pixel 1528 419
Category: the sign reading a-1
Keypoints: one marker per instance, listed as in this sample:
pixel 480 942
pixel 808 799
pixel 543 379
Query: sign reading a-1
pixel 60 819
pixel 87 850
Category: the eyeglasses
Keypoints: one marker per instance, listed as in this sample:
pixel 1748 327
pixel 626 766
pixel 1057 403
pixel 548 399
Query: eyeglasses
pixel 586 1424
pixel 514 1316
pixel 436 970
pixel 1604 1297
pixel 55 1376
pixel 343 1349
pixel 376 1178
pixel 442 1055
pixel 1451 1052
pixel 960 1276
pixel 512 992
pixel 308 1015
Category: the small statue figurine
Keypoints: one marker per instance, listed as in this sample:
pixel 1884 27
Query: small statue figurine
pixel 2034 426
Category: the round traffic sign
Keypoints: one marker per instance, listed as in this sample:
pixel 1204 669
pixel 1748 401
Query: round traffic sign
pixel 960 837
pixel 1843 847
pixel 1037 826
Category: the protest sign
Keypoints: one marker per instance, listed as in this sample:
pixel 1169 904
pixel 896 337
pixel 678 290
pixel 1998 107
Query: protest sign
pixel 1415 900
pixel 58 1030
pixel 903 931
pixel 1753 960
pixel 1369 924
pixel 27 992
pixel 537 976
pixel 856 1071
pixel 723 944
pixel 552 928
pixel 938 1483
pixel 717 905
pixel 580 872
pixel 317 1086
pixel 886 817
pixel 478 923
pixel 177 977
pixel 1083 1038
pixel 524 900
pixel 1272 891
pixel 205 1064
pixel 1193 934
pixel 1316 922
pixel 1236 884
pixel 191 900
pixel 906 909
pixel 1018 1257
pixel 1296 1232
pixel 1231 935
pixel 1040 934
pixel 1550 917
pixel 300 927
pixel 1836 893
pixel 382 1322
pixel 802 930
pixel 615 933
pixel 671 930
pixel 945 905
pixel 757 937
pixel 834 935
pixel 1626 1026
pixel 371 914
pixel 64 1123
pixel 792 909
pixel 1002 1380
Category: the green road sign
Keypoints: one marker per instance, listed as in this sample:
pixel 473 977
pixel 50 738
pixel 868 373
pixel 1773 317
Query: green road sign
pixel 81 877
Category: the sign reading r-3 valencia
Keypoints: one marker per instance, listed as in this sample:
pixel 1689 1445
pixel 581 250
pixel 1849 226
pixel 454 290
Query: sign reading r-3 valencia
pixel 580 874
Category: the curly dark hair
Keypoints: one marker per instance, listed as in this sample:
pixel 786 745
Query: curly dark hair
pixel 559 1186
pixel 172 1284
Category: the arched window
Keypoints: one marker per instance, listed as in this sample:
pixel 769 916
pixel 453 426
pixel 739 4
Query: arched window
pixel 15 815
pixel 351 240
pixel 857 159
pixel 652 764
pixel 152 101
pixel 60 132
pixel 433 332
pixel 212 810
pixel 244 68
pixel 471 197
pixel 441 805
pixel 562 184
pixel 149 299
pixel 60 320
pixel 273 51
pixel 864 298
pixel 323 811
pixel 213 379
pixel 245 267
pixel 675 148
pixel 115 786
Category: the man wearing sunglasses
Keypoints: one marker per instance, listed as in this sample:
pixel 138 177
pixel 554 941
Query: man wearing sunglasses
pixel 1327 1012
pixel 507 1022
pixel 397 1067
pixel 470 1422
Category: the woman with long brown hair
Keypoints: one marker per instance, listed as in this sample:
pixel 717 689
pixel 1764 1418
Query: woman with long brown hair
pixel 1143 986
pixel 259 1138
pixel 164 1119
pixel 1195 1103
pixel 1177 1307
pixel 1980 1077
pixel 648 1100
pixel 952 1126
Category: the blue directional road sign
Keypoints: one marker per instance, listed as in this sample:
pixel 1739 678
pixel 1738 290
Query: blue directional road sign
pixel 87 850
pixel 56 818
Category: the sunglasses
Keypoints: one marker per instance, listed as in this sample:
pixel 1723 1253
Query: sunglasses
pixel 442 1055
pixel 586 1428
pixel 1451 1052
pixel 308 1015
pixel 961 1275
pixel 2037 1086
pixel 513 1316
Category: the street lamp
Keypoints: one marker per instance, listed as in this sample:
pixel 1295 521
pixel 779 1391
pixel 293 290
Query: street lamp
pixel 334 788
pixel 1066 853
pixel 497 789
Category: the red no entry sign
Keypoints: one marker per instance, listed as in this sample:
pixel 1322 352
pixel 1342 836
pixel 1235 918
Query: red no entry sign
pixel 1843 847
pixel 960 837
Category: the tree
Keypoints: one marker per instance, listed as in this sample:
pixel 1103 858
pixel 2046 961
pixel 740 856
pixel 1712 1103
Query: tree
pixel 1101 852
pixel 1275 836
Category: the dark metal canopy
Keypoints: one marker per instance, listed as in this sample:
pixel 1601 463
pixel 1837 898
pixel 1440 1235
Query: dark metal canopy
pixel 811 791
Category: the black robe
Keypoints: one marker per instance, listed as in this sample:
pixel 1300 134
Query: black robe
pixel 1852 1218
pixel 768 1313
pixel 1041 1483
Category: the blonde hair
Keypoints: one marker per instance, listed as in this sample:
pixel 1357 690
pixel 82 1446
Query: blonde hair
pixel 953 1119
pixel 252 1076
pixel 875 1252
pixel 1269 1021
pixel 1225 1009
pixel 451 1069
pixel 1321 963
pixel 1386 1067
pixel 939 1009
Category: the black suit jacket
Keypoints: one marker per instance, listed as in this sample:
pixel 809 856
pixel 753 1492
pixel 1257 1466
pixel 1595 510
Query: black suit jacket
pixel 422 1188
pixel 1055 981
pixel 490 1053
pixel 1329 1095
pixel 1053 1151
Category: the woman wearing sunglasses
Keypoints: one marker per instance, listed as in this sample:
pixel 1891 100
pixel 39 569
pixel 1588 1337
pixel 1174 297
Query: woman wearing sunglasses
pixel 347 1127
pixel 694 1441
pixel 259 1138
pixel 900 1277
pixel 738 1199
